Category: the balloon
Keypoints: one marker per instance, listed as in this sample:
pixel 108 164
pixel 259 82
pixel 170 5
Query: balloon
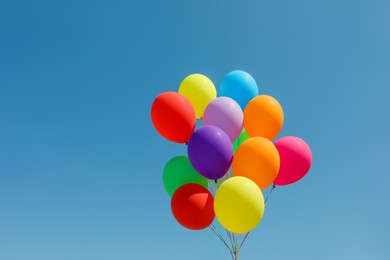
pixel 192 206
pixel 239 205
pixel 173 117
pixel 226 114
pixel 210 152
pixel 243 136
pixel 257 159
pixel 240 86
pixel 295 159
pixel 179 171
pixel 263 116
pixel 199 90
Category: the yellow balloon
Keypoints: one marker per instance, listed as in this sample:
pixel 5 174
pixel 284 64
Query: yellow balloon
pixel 199 90
pixel 263 116
pixel 257 159
pixel 239 204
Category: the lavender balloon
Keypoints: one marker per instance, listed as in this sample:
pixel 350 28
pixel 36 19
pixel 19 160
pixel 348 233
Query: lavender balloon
pixel 210 151
pixel 226 114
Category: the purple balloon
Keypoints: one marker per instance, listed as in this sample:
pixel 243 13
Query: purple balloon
pixel 210 151
pixel 225 113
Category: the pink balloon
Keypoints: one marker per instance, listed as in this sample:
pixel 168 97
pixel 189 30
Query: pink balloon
pixel 295 159
pixel 226 114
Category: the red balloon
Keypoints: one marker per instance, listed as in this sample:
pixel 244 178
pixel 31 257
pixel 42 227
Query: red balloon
pixel 173 117
pixel 193 206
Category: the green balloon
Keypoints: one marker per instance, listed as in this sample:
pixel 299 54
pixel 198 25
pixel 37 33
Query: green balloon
pixel 243 136
pixel 179 171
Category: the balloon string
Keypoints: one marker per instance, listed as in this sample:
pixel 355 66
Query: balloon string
pixel 221 238
pixel 213 228
pixel 234 248
pixel 219 235
pixel 273 187
pixel 223 241
pixel 243 240
pixel 234 243
pixel 230 237
pixel 239 241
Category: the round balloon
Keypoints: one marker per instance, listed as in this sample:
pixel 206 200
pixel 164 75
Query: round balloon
pixel 199 90
pixel 240 86
pixel 295 159
pixel 226 114
pixel 192 206
pixel 243 136
pixel 173 117
pixel 239 205
pixel 263 116
pixel 210 152
pixel 179 171
pixel 257 159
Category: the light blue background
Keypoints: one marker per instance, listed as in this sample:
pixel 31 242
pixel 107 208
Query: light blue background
pixel 80 162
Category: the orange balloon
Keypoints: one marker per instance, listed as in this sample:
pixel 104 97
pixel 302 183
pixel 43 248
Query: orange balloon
pixel 257 159
pixel 263 116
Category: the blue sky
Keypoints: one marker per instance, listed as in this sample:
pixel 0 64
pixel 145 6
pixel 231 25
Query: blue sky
pixel 80 162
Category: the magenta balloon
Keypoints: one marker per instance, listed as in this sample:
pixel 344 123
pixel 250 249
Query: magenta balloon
pixel 226 114
pixel 210 152
pixel 295 159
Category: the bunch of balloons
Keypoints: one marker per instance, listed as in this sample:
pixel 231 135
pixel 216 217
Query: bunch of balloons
pixel 231 158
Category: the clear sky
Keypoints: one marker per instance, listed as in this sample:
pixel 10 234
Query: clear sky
pixel 81 164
